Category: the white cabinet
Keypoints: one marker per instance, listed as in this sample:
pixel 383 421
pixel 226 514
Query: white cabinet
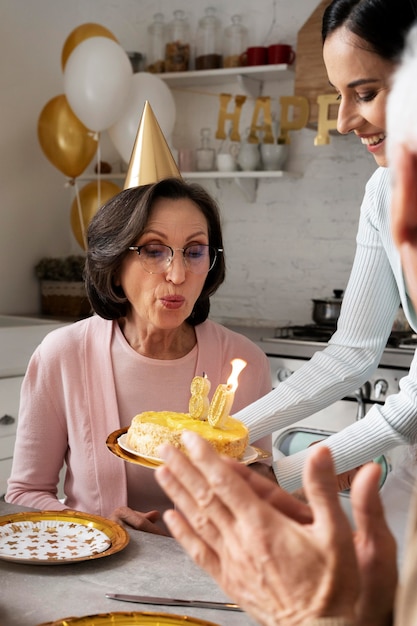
pixel 19 336
pixel 9 408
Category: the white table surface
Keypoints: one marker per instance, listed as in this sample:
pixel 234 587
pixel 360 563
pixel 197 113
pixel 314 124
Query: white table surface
pixel 148 565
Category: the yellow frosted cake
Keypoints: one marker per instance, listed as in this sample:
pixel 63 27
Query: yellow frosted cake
pixel 150 429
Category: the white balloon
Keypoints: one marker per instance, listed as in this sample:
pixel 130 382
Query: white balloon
pixel 145 86
pixel 98 77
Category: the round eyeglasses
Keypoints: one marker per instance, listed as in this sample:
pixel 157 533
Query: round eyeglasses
pixel 156 258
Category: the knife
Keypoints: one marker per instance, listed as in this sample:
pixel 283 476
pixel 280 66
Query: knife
pixel 201 604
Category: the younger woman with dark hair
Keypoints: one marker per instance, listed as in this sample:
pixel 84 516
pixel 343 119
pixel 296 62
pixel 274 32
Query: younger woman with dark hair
pixel 362 41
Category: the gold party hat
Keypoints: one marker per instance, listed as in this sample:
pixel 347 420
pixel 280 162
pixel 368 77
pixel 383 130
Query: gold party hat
pixel 151 158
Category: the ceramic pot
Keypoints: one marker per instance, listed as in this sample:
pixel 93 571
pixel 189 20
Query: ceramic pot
pixel 273 156
pixel 249 158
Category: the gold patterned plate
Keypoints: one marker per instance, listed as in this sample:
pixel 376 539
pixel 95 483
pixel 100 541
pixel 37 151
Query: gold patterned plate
pixel 55 537
pixel 131 619
pixel 118 448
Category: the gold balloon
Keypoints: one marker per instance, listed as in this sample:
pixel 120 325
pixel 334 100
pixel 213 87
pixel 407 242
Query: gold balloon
pixel 79 34
pixel 90 201
pixel 66 142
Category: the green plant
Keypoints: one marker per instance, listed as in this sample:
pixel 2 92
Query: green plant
pixel 69 268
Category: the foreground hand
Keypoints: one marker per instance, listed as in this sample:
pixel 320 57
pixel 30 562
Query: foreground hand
pixel 375 550
pixel 137 520
pixel 278 570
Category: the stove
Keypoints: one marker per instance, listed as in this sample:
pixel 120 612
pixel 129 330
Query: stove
pixel 301 342
pixel 318 332
pixel 289 347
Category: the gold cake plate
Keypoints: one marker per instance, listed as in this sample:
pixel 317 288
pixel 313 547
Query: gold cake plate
pixel 55 537
pixel 116 444
pixel 131 619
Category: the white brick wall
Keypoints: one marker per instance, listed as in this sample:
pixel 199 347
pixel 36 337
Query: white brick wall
pixel 294 243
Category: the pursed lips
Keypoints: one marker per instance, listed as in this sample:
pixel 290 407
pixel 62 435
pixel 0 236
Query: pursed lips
pixel 173 302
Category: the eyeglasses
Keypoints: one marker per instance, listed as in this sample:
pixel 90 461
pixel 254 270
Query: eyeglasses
pixel 156 258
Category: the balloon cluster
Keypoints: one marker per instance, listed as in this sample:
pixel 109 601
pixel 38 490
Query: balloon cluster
pixel 101 93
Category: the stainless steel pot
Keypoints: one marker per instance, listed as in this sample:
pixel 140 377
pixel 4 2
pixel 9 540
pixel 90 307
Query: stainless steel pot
pixel 326 310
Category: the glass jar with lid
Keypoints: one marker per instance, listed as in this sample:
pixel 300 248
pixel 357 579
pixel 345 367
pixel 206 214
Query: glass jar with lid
pixel 177 49
pixel 235 42
pixel 208 47
pixel 156 44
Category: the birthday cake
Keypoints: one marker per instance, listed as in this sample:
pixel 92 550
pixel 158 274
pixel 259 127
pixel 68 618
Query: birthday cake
pixel 211 421
pixel 150 429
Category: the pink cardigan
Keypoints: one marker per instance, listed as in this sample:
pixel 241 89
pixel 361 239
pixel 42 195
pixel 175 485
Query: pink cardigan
pixel 68 407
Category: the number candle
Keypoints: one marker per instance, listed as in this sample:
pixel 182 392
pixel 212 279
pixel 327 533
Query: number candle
pixel 199 403
pixel 224 395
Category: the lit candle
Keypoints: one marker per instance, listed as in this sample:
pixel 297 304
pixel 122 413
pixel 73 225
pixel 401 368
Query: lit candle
pixel 224 395
pixel 199 403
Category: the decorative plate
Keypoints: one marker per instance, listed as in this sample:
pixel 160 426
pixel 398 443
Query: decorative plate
pixel 131 619
pixel 116 444
pixel 53 537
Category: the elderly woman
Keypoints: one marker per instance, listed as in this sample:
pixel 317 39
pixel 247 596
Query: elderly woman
pixel 154 259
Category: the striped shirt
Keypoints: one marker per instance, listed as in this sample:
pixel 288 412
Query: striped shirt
pixel 375 289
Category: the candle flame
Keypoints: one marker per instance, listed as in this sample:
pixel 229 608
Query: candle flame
pixel 237 366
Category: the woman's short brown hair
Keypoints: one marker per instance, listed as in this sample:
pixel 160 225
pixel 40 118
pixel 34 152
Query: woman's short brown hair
pixel 120 222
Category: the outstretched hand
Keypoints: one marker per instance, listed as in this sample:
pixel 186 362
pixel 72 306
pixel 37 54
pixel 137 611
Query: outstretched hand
pixel 284 562
pixel 375 550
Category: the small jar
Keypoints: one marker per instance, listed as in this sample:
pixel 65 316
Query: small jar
pixel 235 42
pixel 156 44
pixel 205 155
pixel 177 49
pixel 208 49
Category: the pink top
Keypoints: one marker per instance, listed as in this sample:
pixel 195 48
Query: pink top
pixel 83 382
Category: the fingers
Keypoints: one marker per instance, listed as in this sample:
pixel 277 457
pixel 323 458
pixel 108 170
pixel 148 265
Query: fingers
pixel 364 495
pixel 204 475
pixel 321 488
pixel 192 493
pixel 375 548
pixel 278 498
pixel 236 486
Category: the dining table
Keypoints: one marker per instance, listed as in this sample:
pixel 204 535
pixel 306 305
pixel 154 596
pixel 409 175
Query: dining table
pixel 153 565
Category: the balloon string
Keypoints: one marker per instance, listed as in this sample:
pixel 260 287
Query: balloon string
pixel 80 214
pixel 98 171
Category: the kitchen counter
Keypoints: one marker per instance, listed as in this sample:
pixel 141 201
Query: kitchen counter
pixel 149 565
